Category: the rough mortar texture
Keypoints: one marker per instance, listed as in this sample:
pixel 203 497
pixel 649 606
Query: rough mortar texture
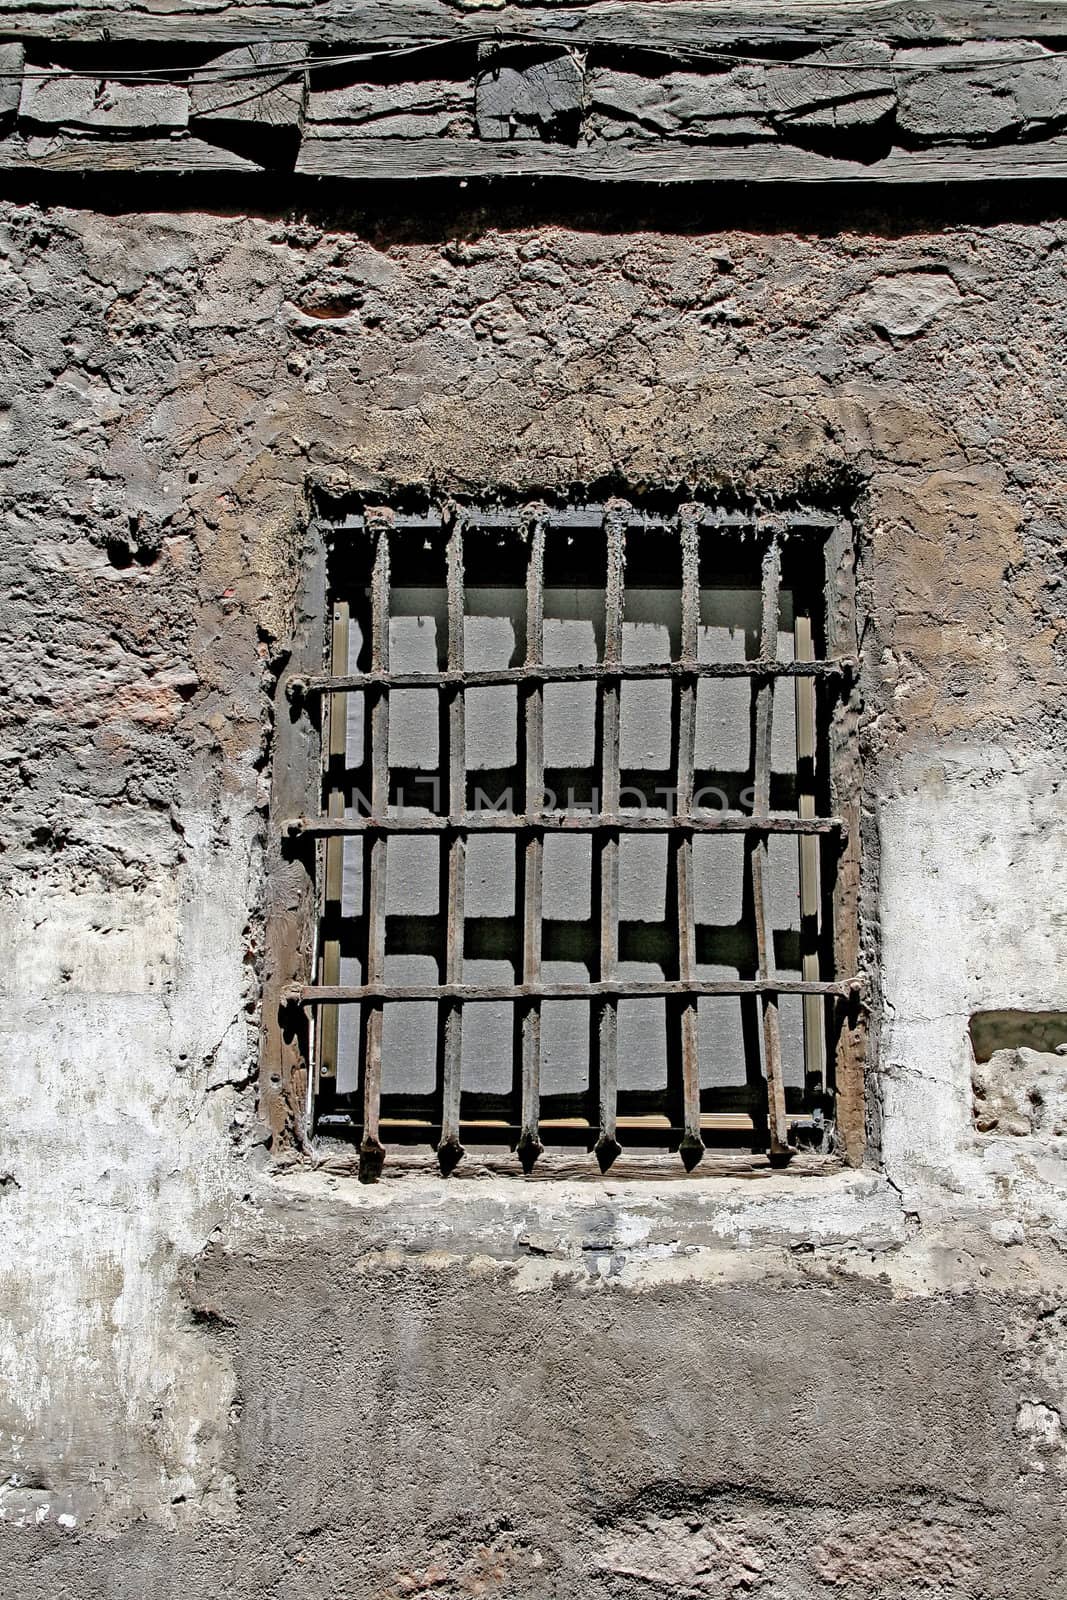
pixel 219 1379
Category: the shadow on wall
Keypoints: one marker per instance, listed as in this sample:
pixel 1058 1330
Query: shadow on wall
pixel 1017 1030
pixel 1020 1073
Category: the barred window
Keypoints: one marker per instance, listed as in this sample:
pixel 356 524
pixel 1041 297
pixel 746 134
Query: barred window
pixel 577 853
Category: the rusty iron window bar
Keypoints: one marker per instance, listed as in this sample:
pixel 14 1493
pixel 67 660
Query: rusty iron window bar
pixel 400 582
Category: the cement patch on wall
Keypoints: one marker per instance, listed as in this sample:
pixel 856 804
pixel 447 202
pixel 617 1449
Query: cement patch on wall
pixel 967 846
pixel 121 1043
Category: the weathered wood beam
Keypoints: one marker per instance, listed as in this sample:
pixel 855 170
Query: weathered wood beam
pixel 521 98
pixel 690 23
pixel 58 154
pixel 12 62
pixel 260 111
pixel 971 111
pixel 412 159
pixel 52 97
pixel 289 901
pixel 619 162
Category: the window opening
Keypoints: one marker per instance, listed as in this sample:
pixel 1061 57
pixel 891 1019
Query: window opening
pixel 576 852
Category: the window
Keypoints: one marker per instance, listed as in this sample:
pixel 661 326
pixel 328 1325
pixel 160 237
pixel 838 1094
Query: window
pixel 576 852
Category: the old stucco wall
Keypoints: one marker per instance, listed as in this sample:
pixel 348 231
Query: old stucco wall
pixel 220 1378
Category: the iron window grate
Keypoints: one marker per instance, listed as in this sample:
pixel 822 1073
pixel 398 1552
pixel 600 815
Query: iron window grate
pixel 374 556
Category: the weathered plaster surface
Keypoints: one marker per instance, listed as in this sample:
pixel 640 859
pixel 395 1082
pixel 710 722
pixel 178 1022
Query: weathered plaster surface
pixel 218 1379
pixel 963 828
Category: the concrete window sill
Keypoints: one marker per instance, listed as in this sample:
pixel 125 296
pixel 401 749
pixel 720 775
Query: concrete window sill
pixel 563 1219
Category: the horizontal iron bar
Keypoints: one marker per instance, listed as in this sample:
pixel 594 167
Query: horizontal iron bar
pixel 637 1143
pixel 349 994
pixel 486 1105
pixel 592 517
pixel 323 683
pixel 559 822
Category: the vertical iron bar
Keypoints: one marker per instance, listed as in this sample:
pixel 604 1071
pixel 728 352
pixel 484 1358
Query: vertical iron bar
pixel 772 1038
pixel 336 748
pixel 372 1152
pixel 808 844
pixel 691 1147
pixel 450 1012
pixel 607 842
pixel 530 1147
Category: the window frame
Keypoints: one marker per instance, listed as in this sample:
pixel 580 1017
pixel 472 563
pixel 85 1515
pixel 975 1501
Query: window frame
pixel 298 828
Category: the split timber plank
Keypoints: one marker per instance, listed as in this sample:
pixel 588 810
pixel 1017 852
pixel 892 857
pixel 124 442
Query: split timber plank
pixel 399 159
pixel 648 162
pixel 683 23
pixel 12 62
pixel 126 155
pixel 289 907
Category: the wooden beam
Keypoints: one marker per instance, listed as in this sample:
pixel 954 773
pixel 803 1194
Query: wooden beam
pixel 289 881
pixel 663 162
pixel 851 1016
pixel 653 162
pixel 695 24
pixel 132 156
